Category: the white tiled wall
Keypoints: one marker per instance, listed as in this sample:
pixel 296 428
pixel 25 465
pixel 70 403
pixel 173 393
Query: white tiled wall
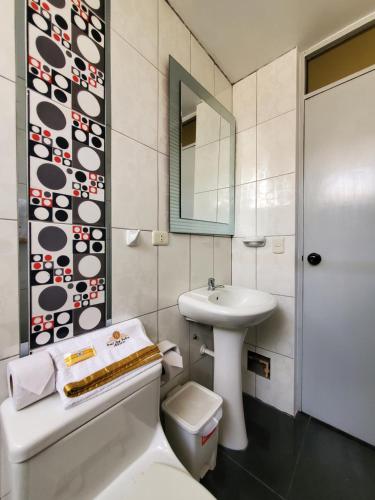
pixel 246 156
pixel 134 85
pixel 8 208
pixel 147 280
pixel 134 276
pixel 202 262
pixel 223 89
pixel 174 39
pixel 245 209
pixel 7 41
pixel 139 27
pixel 222 260
pixel 264 105
pixel 134 178
pixel 9 325
pixel 174 269
pixel 245 103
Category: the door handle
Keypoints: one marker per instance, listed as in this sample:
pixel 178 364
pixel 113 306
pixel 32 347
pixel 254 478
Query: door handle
pixel 314 259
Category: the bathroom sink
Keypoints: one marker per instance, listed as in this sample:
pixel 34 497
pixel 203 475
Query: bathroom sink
pixel 227 307
pixel 230 310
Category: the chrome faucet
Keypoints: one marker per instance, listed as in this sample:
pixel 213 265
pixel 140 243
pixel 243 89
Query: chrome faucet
pixel 211 286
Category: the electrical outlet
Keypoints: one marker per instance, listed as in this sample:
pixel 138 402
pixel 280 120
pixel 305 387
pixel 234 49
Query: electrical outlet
pixel 160 238
pixel 278 245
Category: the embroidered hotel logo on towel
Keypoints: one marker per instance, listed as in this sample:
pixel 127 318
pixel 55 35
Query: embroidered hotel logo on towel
pixel 117 338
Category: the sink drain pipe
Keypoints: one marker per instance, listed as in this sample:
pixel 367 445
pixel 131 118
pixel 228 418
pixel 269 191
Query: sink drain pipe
pixel 204 350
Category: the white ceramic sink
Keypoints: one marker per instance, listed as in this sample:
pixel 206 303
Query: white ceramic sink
pixel 230 310
pixel 229 307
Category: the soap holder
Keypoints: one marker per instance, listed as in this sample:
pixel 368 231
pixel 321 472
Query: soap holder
pixel 132 236
pixel 255 241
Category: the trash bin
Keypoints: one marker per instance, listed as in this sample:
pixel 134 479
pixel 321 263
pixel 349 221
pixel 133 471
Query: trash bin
pixel 191 416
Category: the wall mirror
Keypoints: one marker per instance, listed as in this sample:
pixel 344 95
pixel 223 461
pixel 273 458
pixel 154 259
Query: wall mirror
pixel 202 152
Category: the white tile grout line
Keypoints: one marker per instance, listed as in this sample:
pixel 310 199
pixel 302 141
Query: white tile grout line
pixel 9 357
pixel 277 116
pixel 137 50
pixel 158 167
pixel 213 256
pixel 135 140
pixel 190 266
pixel 241 237
pixel 10 220
pixel 256 185
pixel 265 179
pixel 129 228
pixel 190 38
pixel 268 350
pixel 256 205
pixel 232 237
pixel 154 311
pixel 3 77
pixel 257 124
pixel 189 289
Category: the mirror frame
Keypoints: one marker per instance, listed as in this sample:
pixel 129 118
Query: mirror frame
pixel 178 224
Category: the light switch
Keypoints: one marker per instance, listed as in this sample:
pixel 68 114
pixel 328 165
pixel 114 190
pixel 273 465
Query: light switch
pixel 278 245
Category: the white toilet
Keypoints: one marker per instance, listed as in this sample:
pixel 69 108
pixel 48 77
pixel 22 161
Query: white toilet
pixel 110 447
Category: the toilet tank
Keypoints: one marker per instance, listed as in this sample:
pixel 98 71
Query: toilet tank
pixel 54 454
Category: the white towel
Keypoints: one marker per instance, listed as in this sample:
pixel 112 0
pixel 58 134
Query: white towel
pixel 108 349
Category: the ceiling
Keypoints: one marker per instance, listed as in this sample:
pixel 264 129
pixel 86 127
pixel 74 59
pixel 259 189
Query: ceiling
pixel 243 35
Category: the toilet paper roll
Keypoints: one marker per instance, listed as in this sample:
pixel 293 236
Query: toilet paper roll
pixel 172 360
pixel 30 379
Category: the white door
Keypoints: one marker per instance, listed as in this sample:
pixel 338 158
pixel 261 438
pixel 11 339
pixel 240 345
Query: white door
pixel 338 365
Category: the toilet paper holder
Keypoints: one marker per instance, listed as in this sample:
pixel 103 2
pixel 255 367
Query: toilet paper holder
pixel 172 361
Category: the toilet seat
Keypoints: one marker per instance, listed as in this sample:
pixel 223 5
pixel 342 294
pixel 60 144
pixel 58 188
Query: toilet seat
pixel 159 482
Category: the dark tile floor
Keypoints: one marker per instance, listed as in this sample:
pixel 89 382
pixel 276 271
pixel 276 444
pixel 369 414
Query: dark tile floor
pixel 292 459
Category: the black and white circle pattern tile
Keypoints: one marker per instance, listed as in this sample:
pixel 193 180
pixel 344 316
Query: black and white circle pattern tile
pixel 68 279
pixel 62 190
pixel 66 52
pixel 66 159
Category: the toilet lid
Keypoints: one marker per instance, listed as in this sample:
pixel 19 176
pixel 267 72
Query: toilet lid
pixel 162 482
